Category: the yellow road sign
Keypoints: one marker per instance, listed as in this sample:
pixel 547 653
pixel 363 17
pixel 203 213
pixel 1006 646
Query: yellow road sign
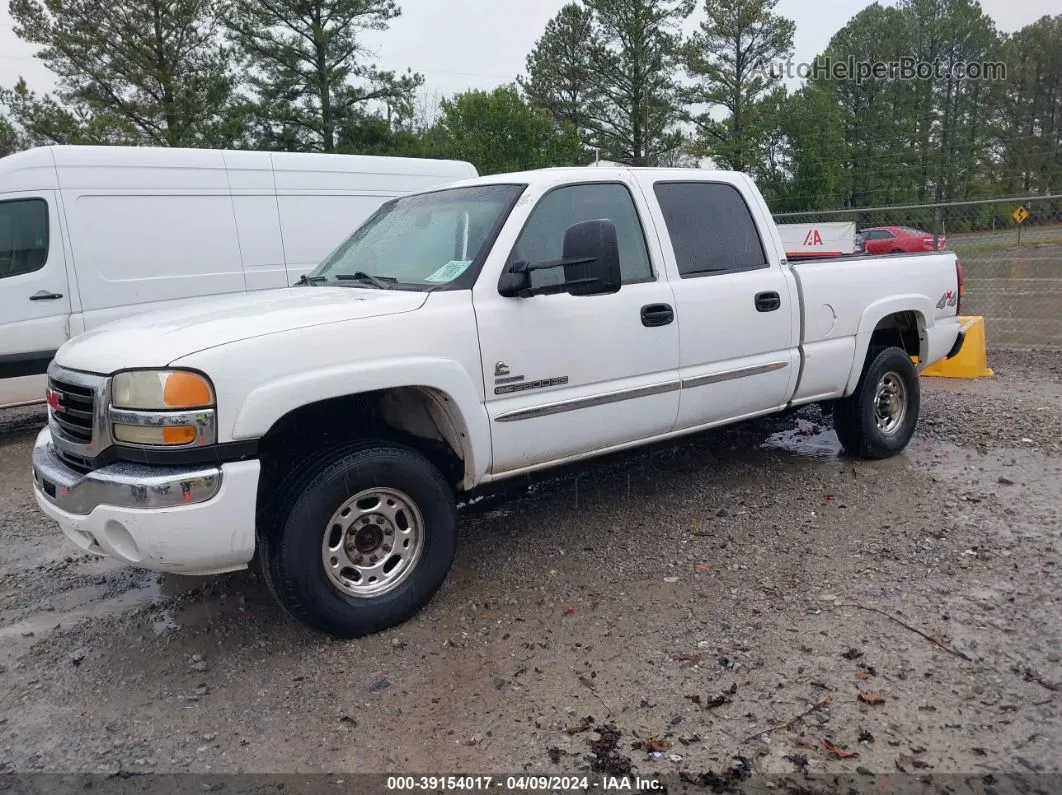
pixel 1020 215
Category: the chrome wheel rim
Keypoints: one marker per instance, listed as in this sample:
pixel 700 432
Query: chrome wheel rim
pixel 890 403
pixel 373 542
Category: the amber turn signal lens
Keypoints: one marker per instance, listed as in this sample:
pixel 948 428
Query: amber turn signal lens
pixel 186 390
pixel 156 436
pixel 182 434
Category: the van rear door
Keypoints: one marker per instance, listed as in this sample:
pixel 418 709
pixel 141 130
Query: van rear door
pixel 34 294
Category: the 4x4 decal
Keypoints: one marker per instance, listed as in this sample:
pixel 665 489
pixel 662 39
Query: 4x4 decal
pixel 950 298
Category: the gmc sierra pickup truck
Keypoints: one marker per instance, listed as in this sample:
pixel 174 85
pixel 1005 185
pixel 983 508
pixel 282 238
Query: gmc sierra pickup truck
pixel 462 336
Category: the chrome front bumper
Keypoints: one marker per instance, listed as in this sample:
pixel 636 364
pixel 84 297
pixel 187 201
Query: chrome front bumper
pixel 121 485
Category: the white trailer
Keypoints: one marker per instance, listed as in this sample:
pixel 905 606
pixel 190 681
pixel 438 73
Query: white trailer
pixel 833 239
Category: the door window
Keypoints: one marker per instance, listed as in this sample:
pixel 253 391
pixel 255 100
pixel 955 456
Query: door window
pixel 23 236
pixel 711 228
pixel 543 236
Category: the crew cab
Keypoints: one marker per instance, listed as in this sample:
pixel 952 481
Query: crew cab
pixel 459 337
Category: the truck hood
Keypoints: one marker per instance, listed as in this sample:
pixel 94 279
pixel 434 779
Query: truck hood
pixel 155 339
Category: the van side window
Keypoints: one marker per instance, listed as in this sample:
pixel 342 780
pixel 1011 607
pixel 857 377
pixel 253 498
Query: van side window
pixel 23 236
pixel 711 228
pixel 543 236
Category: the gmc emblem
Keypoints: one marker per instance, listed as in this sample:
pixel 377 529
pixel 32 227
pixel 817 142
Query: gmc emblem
pixel 53 399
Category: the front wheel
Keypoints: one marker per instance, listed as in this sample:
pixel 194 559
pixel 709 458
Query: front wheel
pixel 362 541
pixel 878 419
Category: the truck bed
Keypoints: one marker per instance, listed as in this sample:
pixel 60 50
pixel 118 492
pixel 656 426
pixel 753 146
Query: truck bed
pixel 844 297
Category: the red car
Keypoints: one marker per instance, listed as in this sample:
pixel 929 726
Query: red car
pixel 900 239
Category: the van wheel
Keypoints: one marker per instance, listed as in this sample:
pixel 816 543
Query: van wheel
pixel 879 418
pixel 362 541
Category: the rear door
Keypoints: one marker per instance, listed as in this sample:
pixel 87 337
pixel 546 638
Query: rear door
pixel 737 312
pixel 34 294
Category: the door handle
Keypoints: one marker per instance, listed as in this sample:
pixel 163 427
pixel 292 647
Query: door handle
pixel 654 315
pixel 768 302
pixel 44 295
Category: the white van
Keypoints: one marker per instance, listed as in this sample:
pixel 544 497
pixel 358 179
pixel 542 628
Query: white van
pixel 91 234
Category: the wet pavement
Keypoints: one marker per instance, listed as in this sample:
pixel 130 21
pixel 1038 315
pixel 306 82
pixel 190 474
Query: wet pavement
pixel 749 593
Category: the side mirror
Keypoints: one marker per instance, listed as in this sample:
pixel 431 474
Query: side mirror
pixel 592 248
pixel 590 259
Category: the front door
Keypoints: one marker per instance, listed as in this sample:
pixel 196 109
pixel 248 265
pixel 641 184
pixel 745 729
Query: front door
pixel 567 375
pixel 34 294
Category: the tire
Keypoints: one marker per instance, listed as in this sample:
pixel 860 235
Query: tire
pixel 407 512
pixel 856 418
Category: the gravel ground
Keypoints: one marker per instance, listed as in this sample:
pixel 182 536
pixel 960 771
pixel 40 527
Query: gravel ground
pixel 746 602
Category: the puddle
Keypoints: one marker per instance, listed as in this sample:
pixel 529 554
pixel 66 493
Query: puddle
pixel 807 439
pixel 164 622
pixel 84 607
pixel 99 600
pixel 810 440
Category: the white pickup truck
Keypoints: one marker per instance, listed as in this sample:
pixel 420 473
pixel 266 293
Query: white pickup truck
pixel 461 336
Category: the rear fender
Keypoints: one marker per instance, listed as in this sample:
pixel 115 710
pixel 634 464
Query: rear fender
pixel 922 307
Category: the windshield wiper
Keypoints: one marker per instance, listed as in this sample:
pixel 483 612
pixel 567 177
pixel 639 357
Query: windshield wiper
pixel 382 282
pixel 311 280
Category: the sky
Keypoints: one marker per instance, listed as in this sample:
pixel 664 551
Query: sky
pixel 463 44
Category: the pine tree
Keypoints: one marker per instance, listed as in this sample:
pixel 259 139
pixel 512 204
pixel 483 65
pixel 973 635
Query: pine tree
pixel 139 71
pixel 733 59
pixel 560 80
pixel 305 62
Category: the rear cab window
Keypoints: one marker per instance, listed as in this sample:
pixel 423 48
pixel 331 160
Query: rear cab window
pixel 711 228
pixel 23 236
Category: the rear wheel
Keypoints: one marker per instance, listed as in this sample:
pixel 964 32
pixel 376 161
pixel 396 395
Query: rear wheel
pixel 879 418
pixel 361 541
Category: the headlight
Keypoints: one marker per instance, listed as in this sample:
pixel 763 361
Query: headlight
pixel 162 408
pixel 161 390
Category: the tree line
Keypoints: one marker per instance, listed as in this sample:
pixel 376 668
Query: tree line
pixel 617 80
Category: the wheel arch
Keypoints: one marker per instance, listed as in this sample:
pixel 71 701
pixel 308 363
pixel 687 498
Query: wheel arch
pixel 899 321
pixel 421 402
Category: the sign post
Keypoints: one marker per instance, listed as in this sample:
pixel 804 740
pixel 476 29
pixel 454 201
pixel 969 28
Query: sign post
pixel 1020 216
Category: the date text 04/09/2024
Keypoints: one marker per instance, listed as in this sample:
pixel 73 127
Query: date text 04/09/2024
pixel 521 783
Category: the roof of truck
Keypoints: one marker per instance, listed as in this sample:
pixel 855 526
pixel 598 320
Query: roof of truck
pixel 602 174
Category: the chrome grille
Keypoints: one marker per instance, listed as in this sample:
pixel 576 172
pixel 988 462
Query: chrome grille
pixel 76 405
pixel 76 409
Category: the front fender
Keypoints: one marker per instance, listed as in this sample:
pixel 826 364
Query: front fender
pixel 921 305
pixel 268 403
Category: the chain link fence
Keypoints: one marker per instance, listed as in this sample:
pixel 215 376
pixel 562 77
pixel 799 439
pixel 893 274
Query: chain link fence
pixel 1013 270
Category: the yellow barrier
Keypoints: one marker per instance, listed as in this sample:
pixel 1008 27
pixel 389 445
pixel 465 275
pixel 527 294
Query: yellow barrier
pixel 972 361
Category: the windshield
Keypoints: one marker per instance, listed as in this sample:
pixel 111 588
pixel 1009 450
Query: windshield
pixel 423 240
